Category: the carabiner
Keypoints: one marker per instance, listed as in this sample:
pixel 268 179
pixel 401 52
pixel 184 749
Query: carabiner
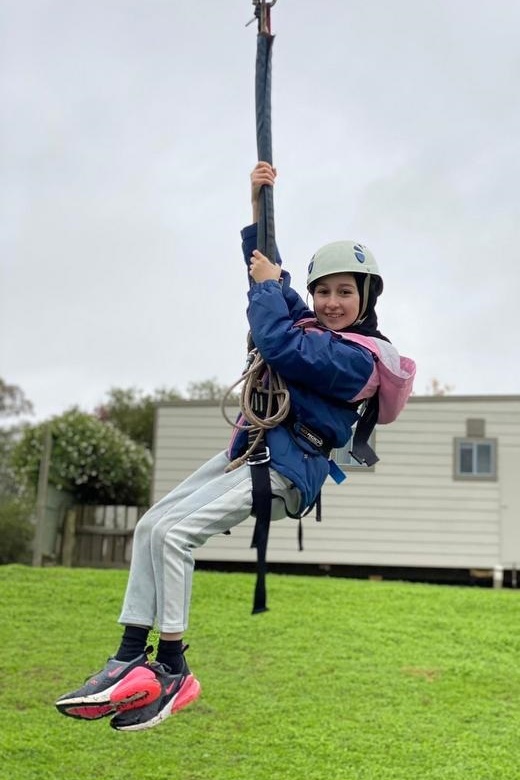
pixel 263 14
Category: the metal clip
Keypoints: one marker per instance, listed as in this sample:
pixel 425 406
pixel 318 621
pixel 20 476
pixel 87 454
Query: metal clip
pixel 256 458
pixel 263 14
pixel 249 361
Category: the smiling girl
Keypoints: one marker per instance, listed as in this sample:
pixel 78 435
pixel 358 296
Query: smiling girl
pixel 333 361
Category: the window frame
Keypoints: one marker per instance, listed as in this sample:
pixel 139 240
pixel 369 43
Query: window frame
pixel 474 476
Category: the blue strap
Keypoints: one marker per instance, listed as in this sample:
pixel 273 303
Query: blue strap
pixel 337 474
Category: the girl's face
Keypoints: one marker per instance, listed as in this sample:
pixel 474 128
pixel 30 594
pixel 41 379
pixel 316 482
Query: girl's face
pixel 336 301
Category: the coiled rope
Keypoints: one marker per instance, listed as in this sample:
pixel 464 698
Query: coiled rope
pixel 257 379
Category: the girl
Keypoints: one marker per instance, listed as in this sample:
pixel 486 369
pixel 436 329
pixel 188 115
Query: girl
pixel 331 359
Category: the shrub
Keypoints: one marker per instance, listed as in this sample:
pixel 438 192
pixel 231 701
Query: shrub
pixel 16 532
pixel 93 460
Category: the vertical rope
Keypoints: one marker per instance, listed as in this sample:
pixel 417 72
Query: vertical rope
pixel 266 229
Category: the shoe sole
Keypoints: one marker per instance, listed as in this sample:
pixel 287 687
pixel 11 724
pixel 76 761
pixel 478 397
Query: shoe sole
pixel 99 705
pixel 86 711
pixel 188 692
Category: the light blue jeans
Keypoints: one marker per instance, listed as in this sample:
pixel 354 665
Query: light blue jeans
pixel 208 502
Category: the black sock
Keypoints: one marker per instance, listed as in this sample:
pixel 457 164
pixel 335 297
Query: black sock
pixel 133 643
pixel 170 654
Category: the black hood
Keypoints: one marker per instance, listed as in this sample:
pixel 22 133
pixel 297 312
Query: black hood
pixel 369 325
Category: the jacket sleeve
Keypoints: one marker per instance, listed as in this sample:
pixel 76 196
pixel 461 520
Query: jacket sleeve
pixel 322 361
pixel 297 307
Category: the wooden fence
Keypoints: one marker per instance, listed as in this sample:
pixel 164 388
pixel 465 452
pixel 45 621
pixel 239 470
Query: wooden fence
pixel 99 536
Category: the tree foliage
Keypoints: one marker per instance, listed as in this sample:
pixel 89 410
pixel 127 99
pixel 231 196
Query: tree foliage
pixel 436 387
pixel 8 483
pixel 207 390
pixel 94 461
pixel 102 458
pixel 16 531
pixel 13 401
pixel 133 412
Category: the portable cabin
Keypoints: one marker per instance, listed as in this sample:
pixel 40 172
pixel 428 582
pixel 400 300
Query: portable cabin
pixel 444 499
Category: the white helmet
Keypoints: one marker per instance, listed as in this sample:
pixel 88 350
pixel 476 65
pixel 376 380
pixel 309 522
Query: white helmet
pixel 342 257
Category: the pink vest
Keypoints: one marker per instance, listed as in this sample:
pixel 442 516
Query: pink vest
pixel 392 374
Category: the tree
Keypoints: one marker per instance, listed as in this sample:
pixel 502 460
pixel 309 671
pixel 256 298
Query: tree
pixel 16 506
pixel 16 531
pixel 94 461
pixel 208 390
pixel 437 388
pixel 133 412
pixel 13 401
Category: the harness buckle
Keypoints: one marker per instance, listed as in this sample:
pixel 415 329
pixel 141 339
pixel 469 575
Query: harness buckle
pixel 257 458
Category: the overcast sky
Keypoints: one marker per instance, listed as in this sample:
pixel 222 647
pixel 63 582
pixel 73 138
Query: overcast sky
pixel 128 135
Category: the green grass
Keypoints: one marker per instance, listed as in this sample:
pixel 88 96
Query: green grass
pixel 340 680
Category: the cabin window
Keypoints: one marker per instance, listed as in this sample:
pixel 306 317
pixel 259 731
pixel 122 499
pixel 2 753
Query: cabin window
pixel 475 459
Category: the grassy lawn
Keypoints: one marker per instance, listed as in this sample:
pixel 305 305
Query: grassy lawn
pixel 341 680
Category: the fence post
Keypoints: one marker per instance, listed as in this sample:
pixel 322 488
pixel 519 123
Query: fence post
pixel 69 538
pixel 41 500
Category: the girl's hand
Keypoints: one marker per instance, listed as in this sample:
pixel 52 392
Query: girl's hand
pixel 261 269
pixel 262 174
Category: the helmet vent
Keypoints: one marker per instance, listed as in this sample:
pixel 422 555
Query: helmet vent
pixel 359 253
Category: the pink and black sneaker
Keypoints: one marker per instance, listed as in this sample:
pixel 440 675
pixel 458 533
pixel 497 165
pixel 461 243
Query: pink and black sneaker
pixel 100 694
pixel 166 694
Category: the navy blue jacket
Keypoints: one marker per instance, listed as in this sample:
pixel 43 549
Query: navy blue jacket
pixel 322 372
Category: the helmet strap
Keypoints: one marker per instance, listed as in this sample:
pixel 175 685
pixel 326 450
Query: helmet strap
pixel 364 302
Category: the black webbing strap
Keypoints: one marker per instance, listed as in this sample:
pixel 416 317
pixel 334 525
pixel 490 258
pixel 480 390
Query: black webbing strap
pixel 262 499
pixel 361 449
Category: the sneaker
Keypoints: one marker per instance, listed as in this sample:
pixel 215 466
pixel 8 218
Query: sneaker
pixel 99 695
pixel 173 692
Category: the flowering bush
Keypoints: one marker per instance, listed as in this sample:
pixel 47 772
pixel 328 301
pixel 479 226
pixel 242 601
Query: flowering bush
pixel 90 459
